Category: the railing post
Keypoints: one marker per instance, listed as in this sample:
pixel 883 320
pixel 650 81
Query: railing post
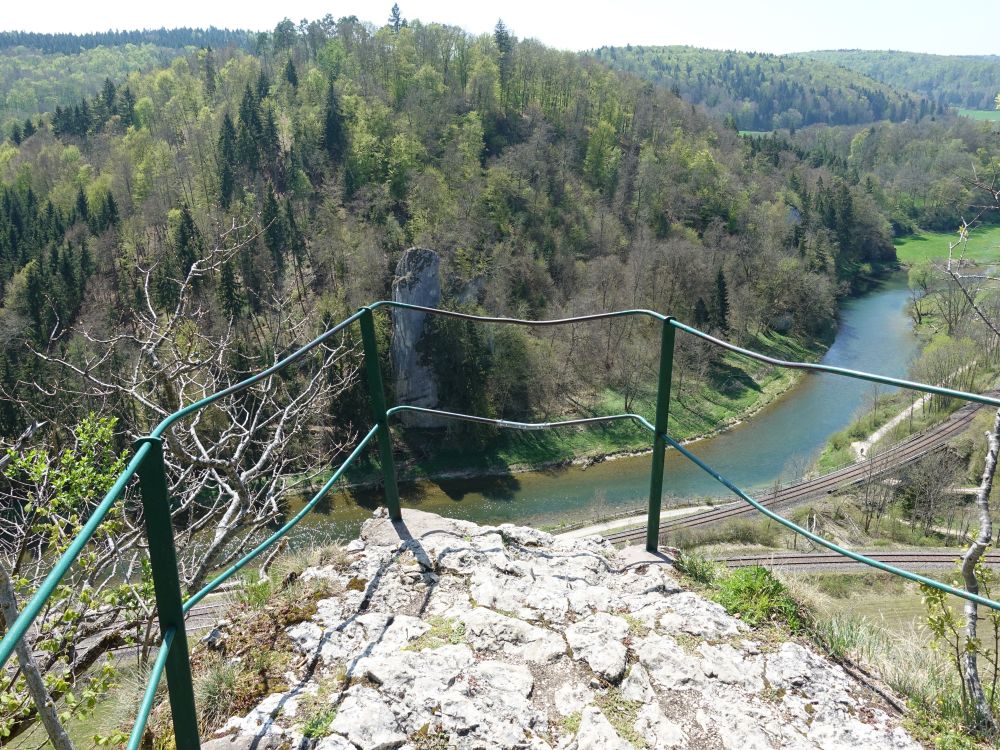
pixel 659 444
pixel 376 394
pixel 163 561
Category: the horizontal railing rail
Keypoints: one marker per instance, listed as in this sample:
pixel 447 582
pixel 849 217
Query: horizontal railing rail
pixel 147 464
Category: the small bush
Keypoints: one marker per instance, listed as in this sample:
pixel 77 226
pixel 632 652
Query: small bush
pixel 319 725
pixel 443 631
pixel 758 597
pixel 217 692
pixel 698 568
pixel 621 713
pixel 571 722
pixel 254 592
pixel 740 531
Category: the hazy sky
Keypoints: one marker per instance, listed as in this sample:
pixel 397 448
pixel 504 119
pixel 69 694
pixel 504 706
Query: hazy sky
pixel 954 27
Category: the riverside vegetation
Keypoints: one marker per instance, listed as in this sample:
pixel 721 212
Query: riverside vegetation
pixel 176 228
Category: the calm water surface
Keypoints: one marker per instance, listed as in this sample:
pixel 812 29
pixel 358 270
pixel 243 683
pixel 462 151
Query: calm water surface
pixel 776 445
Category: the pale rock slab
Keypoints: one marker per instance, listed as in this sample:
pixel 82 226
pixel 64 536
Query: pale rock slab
pixel 659 732
pixel 728 665
pixel 598 641
pixel 637 687
pixel 489 631
pixel 365 719
pixel 668 665
pixel 596 733
pixel 526 600
pixel 692 614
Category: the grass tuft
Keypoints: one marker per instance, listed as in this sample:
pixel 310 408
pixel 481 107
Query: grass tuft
pixel 621 713
pixel 699 569
pixel 758 597
pixel 444 631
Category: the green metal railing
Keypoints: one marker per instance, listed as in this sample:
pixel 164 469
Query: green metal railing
pixel 147 463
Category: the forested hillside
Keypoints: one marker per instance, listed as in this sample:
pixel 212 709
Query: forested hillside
pixel 166 38
pixel 971 81
pixel 762 92
pixel 32 82
pixel 235 203
pixel 917 173
pixel 41 71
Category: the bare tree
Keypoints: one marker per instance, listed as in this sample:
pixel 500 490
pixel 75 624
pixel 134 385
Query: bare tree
pixel 982 715
pixel 876 491
pixel 968 283
pixel 924 487
pixel 230 467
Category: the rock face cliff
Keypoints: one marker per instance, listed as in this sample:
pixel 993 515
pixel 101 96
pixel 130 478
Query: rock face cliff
pixel 416 283
pixel 446 634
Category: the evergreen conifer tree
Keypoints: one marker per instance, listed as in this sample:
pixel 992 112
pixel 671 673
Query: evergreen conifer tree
pixel 291 75
pixel 395 18
pixel 227 161
pixel 334 138
pixel 721 302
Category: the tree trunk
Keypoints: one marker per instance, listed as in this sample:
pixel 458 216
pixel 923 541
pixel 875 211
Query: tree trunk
pixel 32 675
pixel 980 716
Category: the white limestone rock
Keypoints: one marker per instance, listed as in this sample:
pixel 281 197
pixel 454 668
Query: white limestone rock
pixel 659 732
pixel 695 615
pixel 596 733
pixel 489 631
pixel 669 666
pixel 637 687
pixel 728 665
pixel 367 721
pixel 518 601
pixel 598 641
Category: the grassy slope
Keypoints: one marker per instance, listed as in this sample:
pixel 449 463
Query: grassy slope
pixel 738 388
pixel 983 245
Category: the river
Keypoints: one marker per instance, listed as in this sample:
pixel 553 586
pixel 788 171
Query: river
pixel 775 445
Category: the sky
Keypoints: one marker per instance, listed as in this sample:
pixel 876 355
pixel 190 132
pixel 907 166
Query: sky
pixel 955 27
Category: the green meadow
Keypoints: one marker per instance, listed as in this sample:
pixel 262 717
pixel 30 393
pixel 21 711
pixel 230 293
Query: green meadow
pixel 983 245
pixel 981 114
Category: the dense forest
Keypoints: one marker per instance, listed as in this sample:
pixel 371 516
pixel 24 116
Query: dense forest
pixel 911 170
pixel 971 81
pixel 762 92
pixel 547 181
pixel 254 196
pixel 167 38
pixel 33 82
pixel 169 231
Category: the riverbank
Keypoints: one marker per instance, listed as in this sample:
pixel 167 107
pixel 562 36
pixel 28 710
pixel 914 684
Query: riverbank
pixel 897 415
pixel 736 390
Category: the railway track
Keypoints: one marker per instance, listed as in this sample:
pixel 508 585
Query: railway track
pixel 898 455
pixel 912 558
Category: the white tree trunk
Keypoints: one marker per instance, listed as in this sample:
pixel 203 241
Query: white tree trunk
pixel 32 675
pixel 981 717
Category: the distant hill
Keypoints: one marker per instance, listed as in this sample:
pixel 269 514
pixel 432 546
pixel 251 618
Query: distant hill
pixel 964 81
pixel 169 38
pixel 763 92
pixel 39 72
pixel 32 81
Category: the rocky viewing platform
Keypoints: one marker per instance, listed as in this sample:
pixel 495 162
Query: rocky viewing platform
pixel 445 634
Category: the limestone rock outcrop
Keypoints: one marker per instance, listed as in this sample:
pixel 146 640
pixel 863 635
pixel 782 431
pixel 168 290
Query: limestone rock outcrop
pixel 417 282
pixel 444 634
